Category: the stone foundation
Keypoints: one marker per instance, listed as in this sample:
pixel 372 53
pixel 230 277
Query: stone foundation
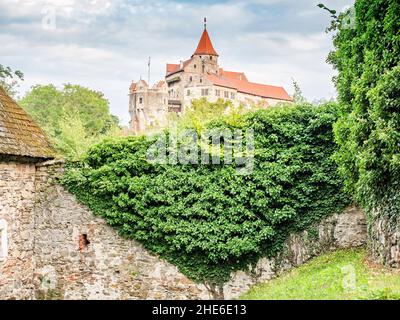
pixel 17 195
pixel 384 237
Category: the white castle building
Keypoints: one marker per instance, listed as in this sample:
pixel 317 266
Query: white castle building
pixel 195 78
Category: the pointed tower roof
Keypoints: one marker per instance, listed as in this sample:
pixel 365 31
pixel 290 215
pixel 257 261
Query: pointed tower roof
pixel 205 45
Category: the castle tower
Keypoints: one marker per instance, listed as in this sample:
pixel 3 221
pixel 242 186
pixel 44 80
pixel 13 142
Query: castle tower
pixel 205 53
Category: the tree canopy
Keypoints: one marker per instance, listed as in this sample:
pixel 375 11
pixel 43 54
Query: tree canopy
pixel 74 117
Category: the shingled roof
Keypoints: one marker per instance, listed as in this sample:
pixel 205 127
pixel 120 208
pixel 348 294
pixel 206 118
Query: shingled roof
pixel 19 134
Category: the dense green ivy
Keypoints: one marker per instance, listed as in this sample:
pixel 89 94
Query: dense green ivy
pixel 209 220
pixel 367 57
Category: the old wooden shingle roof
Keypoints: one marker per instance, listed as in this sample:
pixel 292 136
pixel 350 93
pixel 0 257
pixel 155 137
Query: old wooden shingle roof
pixel 19 134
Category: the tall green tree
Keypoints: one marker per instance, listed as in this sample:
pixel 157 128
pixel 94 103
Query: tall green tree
pixel 74 117
pixel 367 57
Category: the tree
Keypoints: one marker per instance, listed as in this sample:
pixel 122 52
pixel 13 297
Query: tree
pixel 367 57
pixel 9 79
pixel 202 112
pixel 73 139
pixel 298 93
pixel 74 117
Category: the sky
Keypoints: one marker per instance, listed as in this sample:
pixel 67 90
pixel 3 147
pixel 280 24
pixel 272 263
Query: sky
pixel 105 45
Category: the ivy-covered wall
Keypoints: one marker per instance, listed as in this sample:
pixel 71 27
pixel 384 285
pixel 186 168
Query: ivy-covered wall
pixel 209 220
pixel 367 57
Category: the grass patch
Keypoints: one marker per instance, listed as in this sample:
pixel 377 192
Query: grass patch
pixel 340 275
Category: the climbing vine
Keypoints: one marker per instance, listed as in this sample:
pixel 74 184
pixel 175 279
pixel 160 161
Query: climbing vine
pixel 367 57
pixel 210 220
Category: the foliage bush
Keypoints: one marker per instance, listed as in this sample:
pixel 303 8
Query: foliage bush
pixel 208 219
pixel 367 57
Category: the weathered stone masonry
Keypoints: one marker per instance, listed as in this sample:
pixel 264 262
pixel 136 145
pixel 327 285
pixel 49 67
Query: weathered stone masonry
pixel 17 213
pixel 59 250
pixel 78 256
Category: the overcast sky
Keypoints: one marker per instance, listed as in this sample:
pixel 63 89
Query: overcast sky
pixel 105 44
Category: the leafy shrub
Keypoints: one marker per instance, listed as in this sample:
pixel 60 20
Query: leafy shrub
pixel 208 219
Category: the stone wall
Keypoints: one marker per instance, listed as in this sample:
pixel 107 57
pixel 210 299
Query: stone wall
pixel 78 256
pixel 384 236
pixel 16 227
pixel 58 249
pixel 344 230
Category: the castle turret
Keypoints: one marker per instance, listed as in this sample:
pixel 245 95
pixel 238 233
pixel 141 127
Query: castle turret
pixel 206 54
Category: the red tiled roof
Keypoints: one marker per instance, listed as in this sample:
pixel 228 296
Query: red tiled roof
pixel 205 46
pixel 256 89
pixel 173 68
pixel 233 75
pixel 134 85
pixel 159 84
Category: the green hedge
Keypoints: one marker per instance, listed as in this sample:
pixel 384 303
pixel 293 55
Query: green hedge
pixel 208 219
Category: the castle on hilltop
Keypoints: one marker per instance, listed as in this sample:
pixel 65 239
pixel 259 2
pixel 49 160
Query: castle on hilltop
pixel 200 76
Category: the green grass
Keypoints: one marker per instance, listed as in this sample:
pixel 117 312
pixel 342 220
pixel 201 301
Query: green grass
pixel 340 275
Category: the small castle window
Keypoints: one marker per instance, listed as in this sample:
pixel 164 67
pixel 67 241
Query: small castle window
pixel 210 57
pixel 201 80
pixel 194 66
pixel 140 100
pixel 3 240
pixel 191 79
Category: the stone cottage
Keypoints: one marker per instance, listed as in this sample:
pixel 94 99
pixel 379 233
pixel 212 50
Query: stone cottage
pixel 52 247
